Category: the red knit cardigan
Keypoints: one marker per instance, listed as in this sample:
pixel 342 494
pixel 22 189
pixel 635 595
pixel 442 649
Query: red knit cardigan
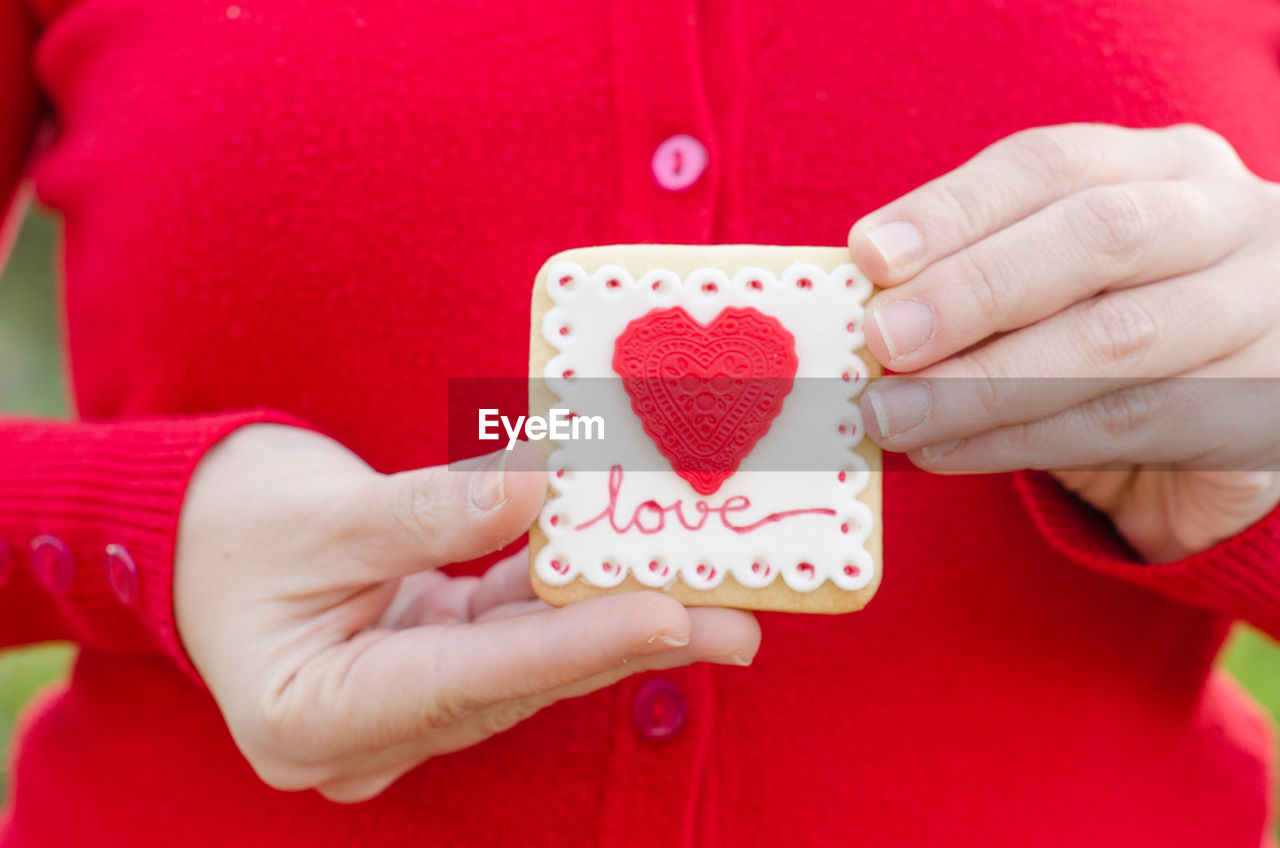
pixel 278 208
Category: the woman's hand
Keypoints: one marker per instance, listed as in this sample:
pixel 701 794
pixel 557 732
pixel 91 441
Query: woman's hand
pixel 307 598
pixel 1041 295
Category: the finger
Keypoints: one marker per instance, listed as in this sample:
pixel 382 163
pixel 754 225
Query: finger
pixel 436 516
pixel 417 681
pixel 505 582
pixel 514 608
pixel 1015 177
pixel 1130 336
pixel 1096 240
pixel 359 788
pixel 716 635
pixel 433 597
pixel 1204 501
pixel 1199 421
pixel 429 597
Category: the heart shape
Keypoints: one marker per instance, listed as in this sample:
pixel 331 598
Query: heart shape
pixel 706 395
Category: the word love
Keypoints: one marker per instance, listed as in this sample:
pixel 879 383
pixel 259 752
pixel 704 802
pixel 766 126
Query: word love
pixel 651 517
pixel 560 424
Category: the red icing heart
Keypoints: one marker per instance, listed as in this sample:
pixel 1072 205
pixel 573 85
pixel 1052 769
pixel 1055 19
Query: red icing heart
pixel 706 394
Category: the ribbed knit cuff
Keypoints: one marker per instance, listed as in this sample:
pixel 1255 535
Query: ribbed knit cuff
pixel 1239 577
pixel 89 514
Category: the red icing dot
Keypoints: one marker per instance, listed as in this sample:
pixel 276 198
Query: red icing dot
pixel 806 568
pixel 845 376
pixel 559 567
pixel 851 327
pixel 708 287
pixel 555 519
pixel 842 428
pixel 653 566
pixel 608 568
pixel 841 476
pixel 560 472
pixel 613 284
pixel 755 285
pixel 568 373
pixel 844 528
pixel 804 283
pixel 849 283
pixel 852 570
pixel 564 331
pixel 564 281
pixel 702 569
pixel 656 284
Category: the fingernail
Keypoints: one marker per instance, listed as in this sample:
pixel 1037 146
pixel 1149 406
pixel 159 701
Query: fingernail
pixel 940 449
pixel 732 659
pixel 488 483
pixel 905 325
pixel 898 242
pixel 900 405
pixel 659 643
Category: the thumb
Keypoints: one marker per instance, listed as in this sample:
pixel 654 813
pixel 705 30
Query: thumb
pixel 435 516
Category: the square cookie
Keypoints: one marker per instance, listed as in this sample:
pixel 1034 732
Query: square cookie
pixel 722 458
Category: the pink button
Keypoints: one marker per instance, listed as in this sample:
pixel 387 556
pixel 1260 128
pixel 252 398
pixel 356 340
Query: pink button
pixel 6 562
pixel 659 710
pixel 679 162
pixel 52 564
pixel 123 574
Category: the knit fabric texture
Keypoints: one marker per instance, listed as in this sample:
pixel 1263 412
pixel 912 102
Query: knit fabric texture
pixel 293 211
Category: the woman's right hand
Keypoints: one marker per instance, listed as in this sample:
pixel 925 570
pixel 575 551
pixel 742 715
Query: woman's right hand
pixel 307 595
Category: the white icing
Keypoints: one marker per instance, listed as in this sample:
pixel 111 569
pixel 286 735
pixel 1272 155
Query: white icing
pixel 825 317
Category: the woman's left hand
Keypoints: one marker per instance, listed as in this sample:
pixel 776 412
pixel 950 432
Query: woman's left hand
pixel 1041 296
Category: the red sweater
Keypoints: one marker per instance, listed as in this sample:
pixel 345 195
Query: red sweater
pixel 326 210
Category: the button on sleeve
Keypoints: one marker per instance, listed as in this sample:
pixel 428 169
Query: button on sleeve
pixel 52 563
pixel 122 572
pixel 89 514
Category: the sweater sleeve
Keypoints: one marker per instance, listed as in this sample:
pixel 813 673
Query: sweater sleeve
pixel 1239 577
pixel 88 512
pixel 88 525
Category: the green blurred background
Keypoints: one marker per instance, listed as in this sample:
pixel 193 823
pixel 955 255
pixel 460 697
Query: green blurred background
pixel 31 382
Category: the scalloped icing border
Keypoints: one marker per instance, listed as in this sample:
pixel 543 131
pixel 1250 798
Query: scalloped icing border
pixel 789 296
